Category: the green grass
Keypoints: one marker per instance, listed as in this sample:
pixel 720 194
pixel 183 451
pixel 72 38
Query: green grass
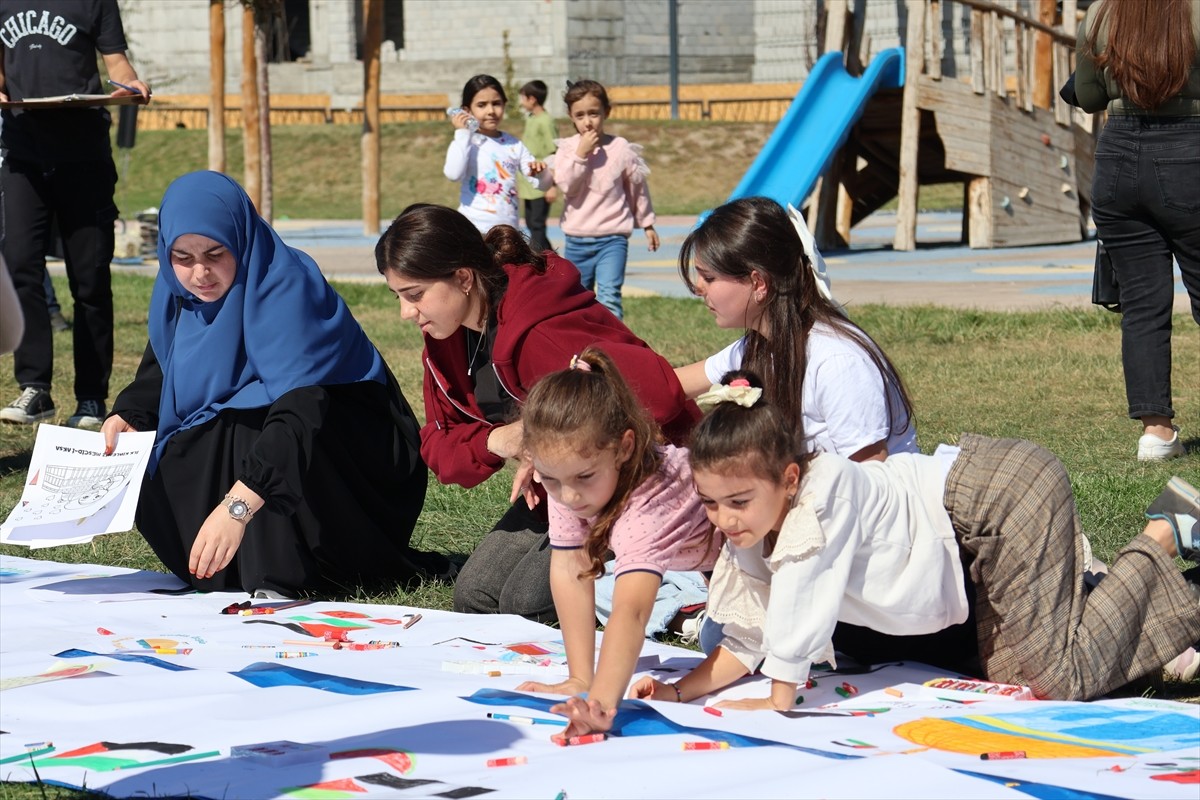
pixel 318 172
pixel 1053 377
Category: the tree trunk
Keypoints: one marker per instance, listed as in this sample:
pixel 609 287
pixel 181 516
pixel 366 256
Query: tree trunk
pixel 372 41
pixel 267 209
pixel 216 94
pixel 251 146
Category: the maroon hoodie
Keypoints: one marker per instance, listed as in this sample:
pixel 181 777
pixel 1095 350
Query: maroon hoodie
pixel 541 321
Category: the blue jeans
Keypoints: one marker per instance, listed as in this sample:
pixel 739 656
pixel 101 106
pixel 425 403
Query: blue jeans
pixel 601 261
pixel 1146 202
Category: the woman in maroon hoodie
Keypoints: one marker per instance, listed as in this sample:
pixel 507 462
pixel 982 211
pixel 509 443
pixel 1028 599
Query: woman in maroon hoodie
pixel 496 317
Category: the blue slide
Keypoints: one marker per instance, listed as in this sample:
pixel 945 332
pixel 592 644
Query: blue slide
pixel 815 126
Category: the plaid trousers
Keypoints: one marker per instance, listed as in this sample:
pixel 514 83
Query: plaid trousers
pixel 1018 530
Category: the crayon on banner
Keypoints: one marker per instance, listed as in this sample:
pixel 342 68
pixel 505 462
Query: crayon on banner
pixel 1004 756
pixel 561 795
pixel 335 643
pixel 810 683
pixel 527 720
pixel 362 646
pixel 254 612
pixel 283 654
pixel 893 691
pixel 706 745
pixel 495 673
pixel 413 620
pixel 234 608
pixel 170 651
pixel 799 699
pixel 716 712
pixel 842 691
pixel 260 646
pixel 512 761
pixel 983 687
pixel 38 745
pixel 849 687
pixel 590 738
pixel 104 631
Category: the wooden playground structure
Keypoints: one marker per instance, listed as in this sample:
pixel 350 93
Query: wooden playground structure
pixel 1023 156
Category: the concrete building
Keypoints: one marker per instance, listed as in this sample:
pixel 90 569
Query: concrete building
pixel 433 46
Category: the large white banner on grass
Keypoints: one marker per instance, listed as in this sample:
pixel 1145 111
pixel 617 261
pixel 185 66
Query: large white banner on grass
pixel 73 491
pixel 164 695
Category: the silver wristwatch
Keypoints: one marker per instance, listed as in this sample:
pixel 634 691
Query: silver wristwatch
pixel 238 508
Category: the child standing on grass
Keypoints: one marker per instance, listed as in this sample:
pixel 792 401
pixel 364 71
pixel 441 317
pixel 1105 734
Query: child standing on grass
pixel 609 486
pixel 487 162
pixel 539 137
pixel 605 196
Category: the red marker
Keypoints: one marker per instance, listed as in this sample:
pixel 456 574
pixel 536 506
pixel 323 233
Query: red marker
pixel 706 745
pixel 104 631
pixel 716 712
pixel 1009 754
pixel 513 761
pixel 590 738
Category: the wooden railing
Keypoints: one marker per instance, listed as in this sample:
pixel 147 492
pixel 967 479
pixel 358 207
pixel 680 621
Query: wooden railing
pixel 1011 54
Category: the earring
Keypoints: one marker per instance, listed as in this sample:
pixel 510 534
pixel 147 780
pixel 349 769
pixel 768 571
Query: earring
pixel 760 296
pixel 467 291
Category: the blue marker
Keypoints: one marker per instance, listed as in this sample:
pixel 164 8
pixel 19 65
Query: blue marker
pixel 123 86
pixel 527 720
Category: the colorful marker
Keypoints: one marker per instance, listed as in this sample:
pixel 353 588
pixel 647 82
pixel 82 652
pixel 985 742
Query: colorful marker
pixel 849 687
pixel 799 699
pixel 254 612
pixel 1003 756
pixel 810 683
pixel 706 745
pixel 716 712
pixel 413 620
pixel 893 691
pixel 170 651
pixel 527 720
pixel 335 644
pixel 842 690
pixel 512 761
pixel 495 673
pixel 38 745
pixel 234 608
pixel 104 631
pixel 293 654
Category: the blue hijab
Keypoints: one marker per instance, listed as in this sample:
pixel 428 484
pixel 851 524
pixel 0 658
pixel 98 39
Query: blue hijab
pixel 280 326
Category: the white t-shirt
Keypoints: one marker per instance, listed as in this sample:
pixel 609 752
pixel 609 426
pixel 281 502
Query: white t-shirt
pixel 488 170
pixel 843 404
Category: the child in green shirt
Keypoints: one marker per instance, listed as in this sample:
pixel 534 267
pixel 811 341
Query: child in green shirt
pixel 539 137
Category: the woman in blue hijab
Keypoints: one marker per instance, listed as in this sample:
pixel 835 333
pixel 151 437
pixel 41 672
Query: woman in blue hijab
pixel 286 458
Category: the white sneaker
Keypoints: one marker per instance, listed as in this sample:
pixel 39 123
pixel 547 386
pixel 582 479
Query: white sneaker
pixel 1152 448
pixel 689 629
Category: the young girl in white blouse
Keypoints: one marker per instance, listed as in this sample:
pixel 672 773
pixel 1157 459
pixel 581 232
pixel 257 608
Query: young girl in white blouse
pixel 611 486
pixel 819 538
pixel 486 162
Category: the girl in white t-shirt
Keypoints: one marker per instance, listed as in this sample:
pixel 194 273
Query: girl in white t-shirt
pixel 816 538
pixel 486 162
pixel 749 265
pixel 609 486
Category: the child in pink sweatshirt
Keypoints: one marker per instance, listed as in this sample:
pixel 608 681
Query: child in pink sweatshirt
pixel 605 196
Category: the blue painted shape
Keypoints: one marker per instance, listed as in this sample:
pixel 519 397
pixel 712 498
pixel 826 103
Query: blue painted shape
pixel 1118 729
pixel 266 675
pixel 151 660
pixel 815 127
pixel 1042 791
pixel 636 718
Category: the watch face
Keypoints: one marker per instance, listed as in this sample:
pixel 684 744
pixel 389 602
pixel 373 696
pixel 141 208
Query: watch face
pixel 238 509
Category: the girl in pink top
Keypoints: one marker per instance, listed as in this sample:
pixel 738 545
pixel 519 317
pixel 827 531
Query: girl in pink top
pixel 605 196
pixel 609 486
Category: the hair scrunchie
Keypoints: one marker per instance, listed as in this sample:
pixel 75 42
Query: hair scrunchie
pixel 737 391
pixel 579 364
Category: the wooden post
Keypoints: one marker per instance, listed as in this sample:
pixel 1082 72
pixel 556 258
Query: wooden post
pixel 910 128
pixel 823 210
pixel 216 81
pixel 266 13
pixel 372 15
pixel 251 146
pixel 1043 91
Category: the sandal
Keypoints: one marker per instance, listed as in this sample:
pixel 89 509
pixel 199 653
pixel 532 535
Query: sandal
pixel 1179 505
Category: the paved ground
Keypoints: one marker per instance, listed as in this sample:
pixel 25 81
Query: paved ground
pixel 942 271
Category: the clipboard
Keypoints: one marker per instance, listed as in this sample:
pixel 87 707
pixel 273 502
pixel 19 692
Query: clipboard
pixel 73 101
